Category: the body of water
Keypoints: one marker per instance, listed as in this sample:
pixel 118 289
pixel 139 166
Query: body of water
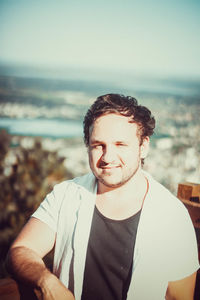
pixel 42 127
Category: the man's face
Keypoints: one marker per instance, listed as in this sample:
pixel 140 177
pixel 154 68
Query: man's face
pixel 114 150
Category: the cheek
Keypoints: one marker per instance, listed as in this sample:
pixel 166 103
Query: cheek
pixel 94 156
pixel 131 155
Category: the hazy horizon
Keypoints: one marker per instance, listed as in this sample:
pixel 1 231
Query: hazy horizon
pixel 116 80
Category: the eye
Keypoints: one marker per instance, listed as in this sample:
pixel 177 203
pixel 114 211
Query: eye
pixel 121 144
pixel 97 146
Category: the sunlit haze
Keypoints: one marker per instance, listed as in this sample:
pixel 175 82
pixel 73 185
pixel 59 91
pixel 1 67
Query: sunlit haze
pixel 152 37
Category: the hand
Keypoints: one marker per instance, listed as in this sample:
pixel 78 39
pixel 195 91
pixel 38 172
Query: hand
pixel 67 295
pixel 51 288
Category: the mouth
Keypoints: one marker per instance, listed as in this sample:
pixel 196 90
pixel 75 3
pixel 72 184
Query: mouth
pixel 109 167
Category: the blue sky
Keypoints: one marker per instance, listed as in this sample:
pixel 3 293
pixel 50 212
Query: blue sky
pixel 156 37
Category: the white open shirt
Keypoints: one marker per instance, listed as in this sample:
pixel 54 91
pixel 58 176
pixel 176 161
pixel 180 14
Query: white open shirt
pixel 165 248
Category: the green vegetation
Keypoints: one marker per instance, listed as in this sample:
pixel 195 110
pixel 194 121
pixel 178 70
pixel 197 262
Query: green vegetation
pixel 27 175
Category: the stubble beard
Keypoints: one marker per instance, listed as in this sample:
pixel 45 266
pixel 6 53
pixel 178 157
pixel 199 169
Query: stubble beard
pixel 120 183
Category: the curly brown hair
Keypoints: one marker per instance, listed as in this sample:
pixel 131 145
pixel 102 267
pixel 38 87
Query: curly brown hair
pixel 123 105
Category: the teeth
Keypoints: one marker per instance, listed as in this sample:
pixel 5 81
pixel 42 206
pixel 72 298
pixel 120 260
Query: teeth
pixel 113 167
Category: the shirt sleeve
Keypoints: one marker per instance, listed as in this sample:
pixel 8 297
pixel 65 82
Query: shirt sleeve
pixel 48 210
pixel 183 250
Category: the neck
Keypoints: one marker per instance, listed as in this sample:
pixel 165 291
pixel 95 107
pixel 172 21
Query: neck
pixel 123 201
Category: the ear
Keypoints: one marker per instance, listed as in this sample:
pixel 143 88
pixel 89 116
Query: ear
pixel 144 148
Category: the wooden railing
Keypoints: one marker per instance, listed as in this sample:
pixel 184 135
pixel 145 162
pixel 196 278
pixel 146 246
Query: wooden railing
pixel 11 290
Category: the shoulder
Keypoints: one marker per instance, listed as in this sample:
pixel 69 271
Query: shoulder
pixel 164 208
pixel 161 196
pixel 65 198
pixel 86 182
pixel 72 191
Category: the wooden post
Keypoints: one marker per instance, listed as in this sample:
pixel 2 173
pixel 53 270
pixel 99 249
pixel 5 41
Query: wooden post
pixel 188 190
pixel 12 290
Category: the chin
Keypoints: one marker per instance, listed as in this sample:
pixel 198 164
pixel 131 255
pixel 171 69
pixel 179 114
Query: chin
pixel 111 183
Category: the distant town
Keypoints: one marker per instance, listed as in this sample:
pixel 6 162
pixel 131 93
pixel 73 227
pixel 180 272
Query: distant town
pixel 174 155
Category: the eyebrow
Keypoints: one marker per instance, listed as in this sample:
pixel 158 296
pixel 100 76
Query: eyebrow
pixel 92 142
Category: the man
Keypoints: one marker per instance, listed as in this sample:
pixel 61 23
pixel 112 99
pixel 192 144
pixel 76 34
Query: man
pixel 117 233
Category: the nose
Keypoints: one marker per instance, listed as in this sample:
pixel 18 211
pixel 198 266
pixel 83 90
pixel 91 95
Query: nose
pixel 108 155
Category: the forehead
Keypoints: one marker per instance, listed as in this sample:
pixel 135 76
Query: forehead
pixel 113 126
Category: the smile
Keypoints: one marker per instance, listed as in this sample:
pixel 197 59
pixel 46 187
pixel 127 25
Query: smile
pixel 109 167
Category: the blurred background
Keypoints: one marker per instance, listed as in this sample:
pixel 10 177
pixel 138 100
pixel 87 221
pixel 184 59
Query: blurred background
pixel 56 57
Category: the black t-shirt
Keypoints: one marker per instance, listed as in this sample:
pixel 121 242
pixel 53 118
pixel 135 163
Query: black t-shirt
pixel 109 258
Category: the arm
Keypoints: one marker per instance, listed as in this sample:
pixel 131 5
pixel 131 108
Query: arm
pixel 182 289
pixel 25 261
